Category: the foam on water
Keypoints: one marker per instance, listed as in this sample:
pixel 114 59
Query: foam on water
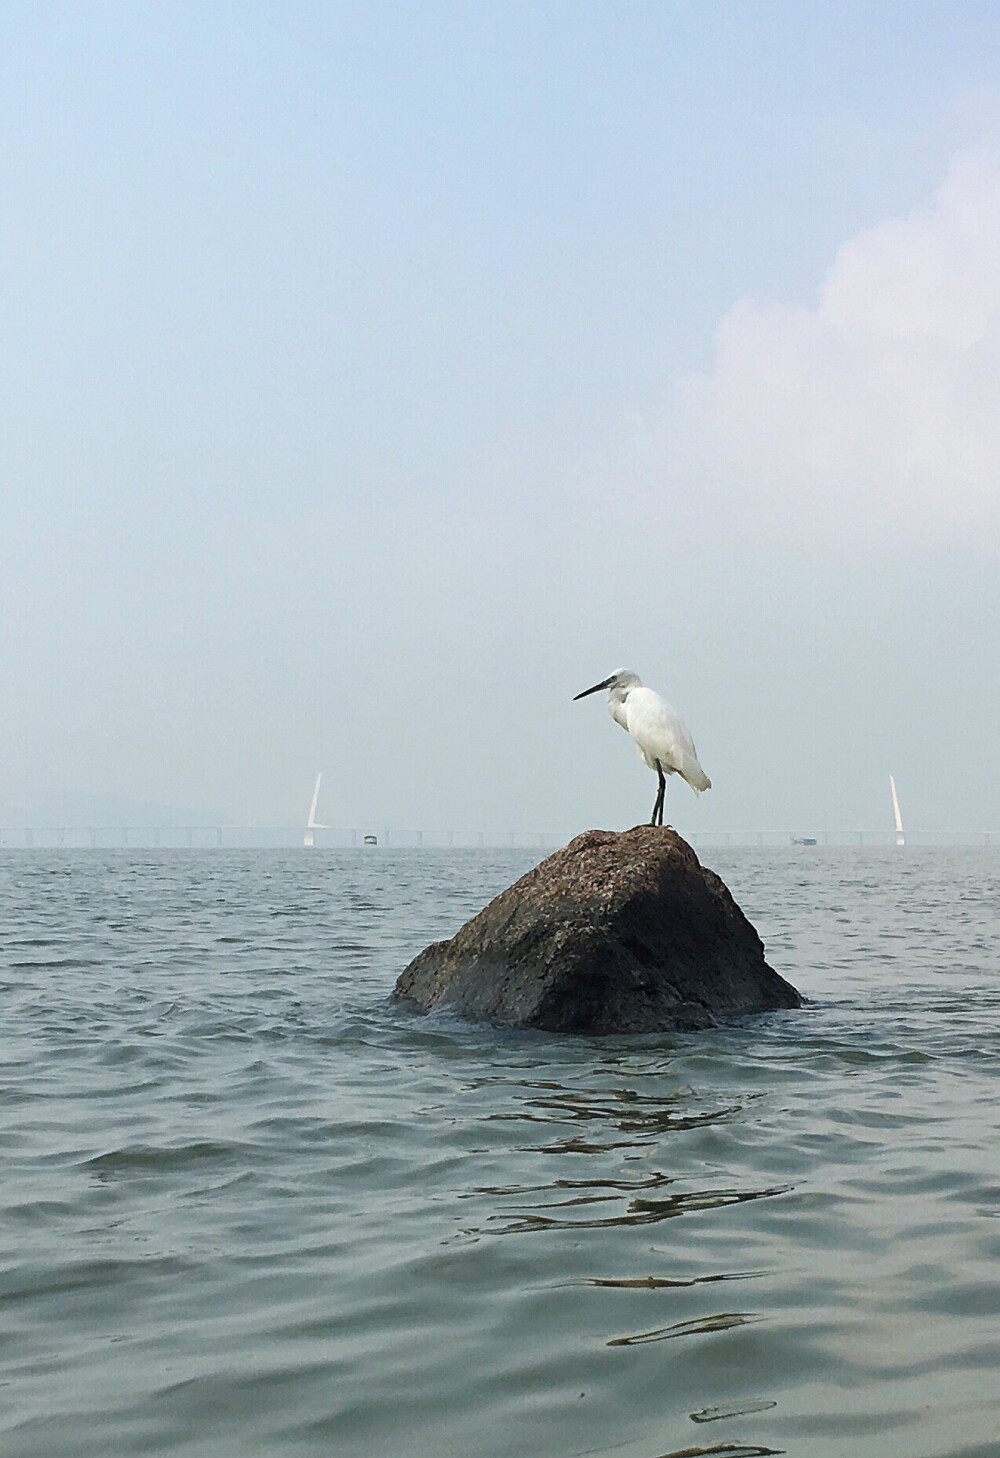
pixel 251 1208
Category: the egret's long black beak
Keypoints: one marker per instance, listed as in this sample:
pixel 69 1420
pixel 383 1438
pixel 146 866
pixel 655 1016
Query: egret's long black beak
pixel 595 690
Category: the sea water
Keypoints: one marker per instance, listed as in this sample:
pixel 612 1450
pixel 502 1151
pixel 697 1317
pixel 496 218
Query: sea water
pixel 250 1207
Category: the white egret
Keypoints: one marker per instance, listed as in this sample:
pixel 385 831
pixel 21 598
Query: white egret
pixel 660 734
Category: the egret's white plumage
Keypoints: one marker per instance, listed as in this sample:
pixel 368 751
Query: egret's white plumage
pixel 659 733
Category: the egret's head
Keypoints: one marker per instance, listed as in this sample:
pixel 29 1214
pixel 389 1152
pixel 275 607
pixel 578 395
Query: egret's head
pixel 623 679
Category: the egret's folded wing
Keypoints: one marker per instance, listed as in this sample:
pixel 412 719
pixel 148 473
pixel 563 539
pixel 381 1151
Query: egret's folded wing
pixel 661 734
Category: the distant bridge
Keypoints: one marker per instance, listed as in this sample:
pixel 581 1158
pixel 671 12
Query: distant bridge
pixel 288 837
pixel 258 837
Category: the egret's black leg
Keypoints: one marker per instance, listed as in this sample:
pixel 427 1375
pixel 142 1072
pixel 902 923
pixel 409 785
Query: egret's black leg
pixel 660 793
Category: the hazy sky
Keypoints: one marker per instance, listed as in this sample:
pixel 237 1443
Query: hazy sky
pixel 377 376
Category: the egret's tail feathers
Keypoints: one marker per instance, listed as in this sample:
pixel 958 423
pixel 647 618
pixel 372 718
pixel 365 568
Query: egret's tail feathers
pixel 696 777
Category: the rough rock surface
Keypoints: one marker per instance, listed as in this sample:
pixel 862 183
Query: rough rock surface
pixel 615 933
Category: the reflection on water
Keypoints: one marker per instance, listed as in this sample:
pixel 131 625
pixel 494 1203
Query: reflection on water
pixel 743 1409
pixel 636 1212
pixel 735 1450
pixel 698 1326
pixel 655 1283
pixel 250 1207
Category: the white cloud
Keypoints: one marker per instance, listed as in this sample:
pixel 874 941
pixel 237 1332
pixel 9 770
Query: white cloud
pixel 880 405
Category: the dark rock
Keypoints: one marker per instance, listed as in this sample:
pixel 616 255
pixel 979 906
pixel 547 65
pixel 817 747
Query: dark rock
pixel 615 933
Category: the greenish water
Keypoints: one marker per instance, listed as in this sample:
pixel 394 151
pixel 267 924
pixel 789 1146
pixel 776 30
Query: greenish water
pixel 251 1208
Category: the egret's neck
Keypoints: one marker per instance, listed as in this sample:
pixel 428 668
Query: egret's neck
pixel 616 703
